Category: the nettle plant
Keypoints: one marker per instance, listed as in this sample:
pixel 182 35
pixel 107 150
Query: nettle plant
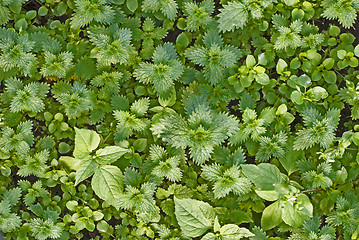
pixel 179 119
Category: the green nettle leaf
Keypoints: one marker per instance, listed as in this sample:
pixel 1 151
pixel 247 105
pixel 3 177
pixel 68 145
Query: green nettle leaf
pixel 343 10
pixel 110 154
pixel 85 142
pixel 202 130
pixel 111 47
pixel 198 15
pixel 264 175
pixel 234 15
pixel 57 65
pixel 167 7
pixel 194 217
pixel 318 129
pixel 165 69
pixel 87 11
pixel 16 52
pixel 107 183
pixel 271 216
pixel 24 98
pixel 214 57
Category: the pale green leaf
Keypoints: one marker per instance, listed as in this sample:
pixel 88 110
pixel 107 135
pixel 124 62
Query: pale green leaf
pixel 264 176
pixel 110 154
pixel 194 217
pixel 292 156
pixel 85 142
pixel 271 216
pixel 268 195
pixel 107 183
pixel 85 170
pixel 233 232
pixel 292 216
pixel 70 162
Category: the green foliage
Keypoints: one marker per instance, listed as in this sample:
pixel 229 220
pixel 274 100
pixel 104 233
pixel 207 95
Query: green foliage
pixel 166 68
pixel 167 7
pixel 214 57
pixel 236 15
pixel 274 146
pixel 9 221
pixel 201 131
pixel 198 15
pixel 226 180
pixel 112 45
pixel 16 52
pixel 318 129
pixel 24 98
pixel 179 119
pixel 343 10
pixel 107 180
pixel 19 140
pixel 75 99
pixel 56 65
pixel 88 11
pixel 132 121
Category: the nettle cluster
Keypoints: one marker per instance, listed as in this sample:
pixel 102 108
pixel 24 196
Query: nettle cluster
pixel 179 119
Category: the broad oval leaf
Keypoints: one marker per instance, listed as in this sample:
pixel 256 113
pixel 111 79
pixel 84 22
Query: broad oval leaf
pixel 110 154
pixel 268 195
pixel 132 5
pixel 233 232
pixel 70 162
pixel 85 142
pixel 194 217
pixel 292 216
pixel 271 216
pixel 107 183
pixel 264 176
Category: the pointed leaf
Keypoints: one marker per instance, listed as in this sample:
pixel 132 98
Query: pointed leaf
pixel 107 183
pixel 85 170
pixel 110 154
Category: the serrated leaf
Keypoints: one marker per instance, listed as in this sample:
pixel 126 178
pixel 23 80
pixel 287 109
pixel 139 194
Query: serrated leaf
pixel 85 142
pixel 107 183
pixel 194 217
pixel 233 16
pixel 110 154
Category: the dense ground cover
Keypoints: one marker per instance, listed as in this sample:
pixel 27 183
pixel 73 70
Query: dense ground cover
pixel 164 119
